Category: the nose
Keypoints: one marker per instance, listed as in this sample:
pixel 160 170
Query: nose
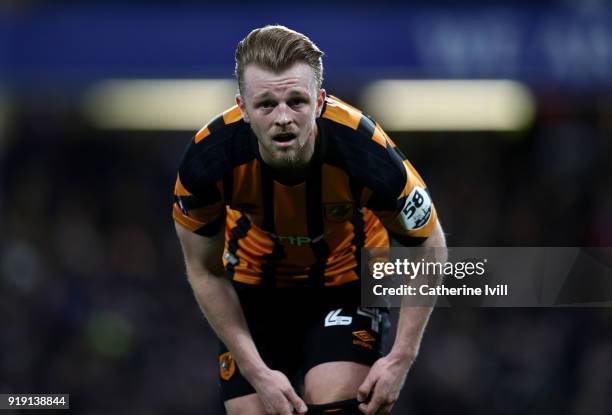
pixel 283 118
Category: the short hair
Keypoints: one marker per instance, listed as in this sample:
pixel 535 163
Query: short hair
pixel 277 48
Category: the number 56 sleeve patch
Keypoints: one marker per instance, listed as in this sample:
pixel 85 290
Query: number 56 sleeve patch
pixel 416 210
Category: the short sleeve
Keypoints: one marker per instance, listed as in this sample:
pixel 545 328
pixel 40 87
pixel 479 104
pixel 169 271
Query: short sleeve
pixel 203 214
pixel 199 203
pixel 408 213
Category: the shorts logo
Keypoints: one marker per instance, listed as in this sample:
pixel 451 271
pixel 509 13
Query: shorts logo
pixel 227 366
pixel 417 209
pixel 365 339
pixel 363 335
pixel 339 212
pixel 334 318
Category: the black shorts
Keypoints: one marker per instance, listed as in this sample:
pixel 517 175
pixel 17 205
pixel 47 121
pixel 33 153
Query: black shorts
pixel 297 329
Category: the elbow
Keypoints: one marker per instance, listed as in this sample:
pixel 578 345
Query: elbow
pixel 436 239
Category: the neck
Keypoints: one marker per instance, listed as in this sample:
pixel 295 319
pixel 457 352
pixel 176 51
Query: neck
pixel 290 175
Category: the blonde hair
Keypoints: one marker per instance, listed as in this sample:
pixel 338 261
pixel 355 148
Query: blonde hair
pixel 277 48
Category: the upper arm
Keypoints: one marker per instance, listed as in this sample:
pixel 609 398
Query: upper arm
pixel 199 205
pixel 203 254
pixel 199 219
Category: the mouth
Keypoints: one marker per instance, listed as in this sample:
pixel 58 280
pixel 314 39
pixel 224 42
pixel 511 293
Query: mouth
pixel 284 138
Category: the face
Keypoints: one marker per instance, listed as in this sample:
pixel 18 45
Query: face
pixel 281 109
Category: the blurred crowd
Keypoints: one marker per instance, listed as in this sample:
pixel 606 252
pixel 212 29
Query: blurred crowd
pixel 94 301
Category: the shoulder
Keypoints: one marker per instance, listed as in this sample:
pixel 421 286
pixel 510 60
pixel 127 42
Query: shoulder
pixel 357 143
pixel 224 142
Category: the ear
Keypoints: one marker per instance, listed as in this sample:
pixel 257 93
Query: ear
pixel 241 105
pixel 320 101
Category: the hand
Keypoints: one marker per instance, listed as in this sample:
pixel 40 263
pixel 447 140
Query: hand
pixel 384 382
pixel 277 394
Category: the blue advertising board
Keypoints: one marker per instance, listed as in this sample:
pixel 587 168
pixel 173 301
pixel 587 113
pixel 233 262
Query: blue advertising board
pixel 536 45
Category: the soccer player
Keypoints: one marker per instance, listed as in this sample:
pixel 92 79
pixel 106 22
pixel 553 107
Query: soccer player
pixel 274 201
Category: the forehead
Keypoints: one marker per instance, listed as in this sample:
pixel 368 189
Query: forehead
pixel 258 80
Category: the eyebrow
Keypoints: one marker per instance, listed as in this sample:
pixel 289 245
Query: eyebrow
pixel 292 93
pixel 265 95
pixel 299 92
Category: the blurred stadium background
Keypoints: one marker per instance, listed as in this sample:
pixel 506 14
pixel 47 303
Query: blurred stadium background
pixel 507 115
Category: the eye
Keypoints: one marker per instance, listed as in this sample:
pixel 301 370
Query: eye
pixel 265 104
pixel 294 102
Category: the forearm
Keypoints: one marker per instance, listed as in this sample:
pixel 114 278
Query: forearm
pixel 220 304
pixel 410 329
pixel 413 318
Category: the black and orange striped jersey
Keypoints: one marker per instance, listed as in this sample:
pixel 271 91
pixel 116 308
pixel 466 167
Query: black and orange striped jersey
pixel 359 185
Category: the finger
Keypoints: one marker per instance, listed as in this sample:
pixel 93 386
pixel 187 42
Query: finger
pixel 363 407
pixel 364 390
pixel 285 409
pixel 374 406
pixel 297 403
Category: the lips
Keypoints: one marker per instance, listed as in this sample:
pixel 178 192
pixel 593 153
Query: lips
pixel 284 137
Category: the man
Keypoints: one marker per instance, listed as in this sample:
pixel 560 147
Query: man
pixel 286 188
